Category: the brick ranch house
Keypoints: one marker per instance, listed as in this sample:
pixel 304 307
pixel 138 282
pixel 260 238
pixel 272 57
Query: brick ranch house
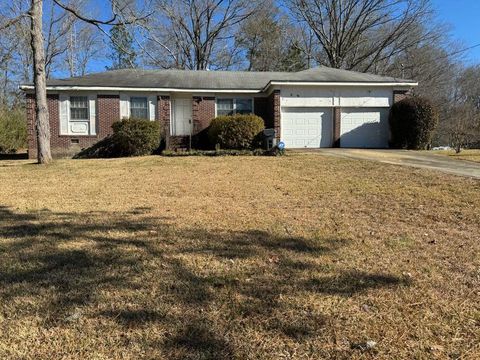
pixel 319 107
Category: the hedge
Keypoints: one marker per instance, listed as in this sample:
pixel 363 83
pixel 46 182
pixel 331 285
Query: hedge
pixel 236 131
pixel 131 137
pixel 412 122
pixel 13 130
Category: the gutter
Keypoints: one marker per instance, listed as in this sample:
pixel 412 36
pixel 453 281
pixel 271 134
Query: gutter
pixel 230 91
pixel 114 88
pixel 319 83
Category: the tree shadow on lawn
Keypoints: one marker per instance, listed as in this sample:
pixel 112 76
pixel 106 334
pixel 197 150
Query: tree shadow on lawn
pixel 94 264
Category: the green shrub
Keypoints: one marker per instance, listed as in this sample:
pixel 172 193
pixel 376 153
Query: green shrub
pixel 131 137
pixel 13 130
pixel 136 137
pixel 223 152
pixel 235 131
pixel 412 122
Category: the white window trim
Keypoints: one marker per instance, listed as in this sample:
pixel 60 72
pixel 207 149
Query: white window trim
pixel 138 96
pixel 234 102
pixel 92 121
pixel 152 104
pixel 70 109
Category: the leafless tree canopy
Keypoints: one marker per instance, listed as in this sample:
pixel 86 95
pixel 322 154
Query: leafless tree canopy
pixel 196 34
pixel 355 34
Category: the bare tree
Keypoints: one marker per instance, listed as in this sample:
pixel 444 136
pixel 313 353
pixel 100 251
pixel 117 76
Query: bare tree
pixel 463 122
pixel 40 81
pixel 263 38
pixel 356 35
pixel 123 13
pixel 58 25
pixel 83 44
pixel 192 34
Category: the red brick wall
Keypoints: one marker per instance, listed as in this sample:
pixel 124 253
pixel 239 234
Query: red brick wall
pixel 203 111
pixel 163 115
pixel 399 95
pixel 31 133
pixel 108 111
pixel 273 118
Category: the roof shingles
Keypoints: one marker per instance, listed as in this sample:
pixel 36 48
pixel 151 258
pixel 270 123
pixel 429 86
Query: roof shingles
pixel 216 80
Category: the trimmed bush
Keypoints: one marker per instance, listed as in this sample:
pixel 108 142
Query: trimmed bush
pixel 131 137
pixel 136 137
pixel 412 122
pixel 13 130
pixel 235 131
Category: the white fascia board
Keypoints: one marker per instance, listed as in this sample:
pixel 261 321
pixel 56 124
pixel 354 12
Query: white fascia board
pixel 131 89
pixel 363 84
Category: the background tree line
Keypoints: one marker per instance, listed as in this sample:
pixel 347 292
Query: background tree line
pixel 401 38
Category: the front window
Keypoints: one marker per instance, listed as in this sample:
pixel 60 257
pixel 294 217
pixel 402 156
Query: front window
pixel 234 106
pixel 139 107
pixel 79 108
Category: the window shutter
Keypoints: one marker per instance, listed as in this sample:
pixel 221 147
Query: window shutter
pixel 152 102
pixel 124 106
pixel 63 101
pixel 92 106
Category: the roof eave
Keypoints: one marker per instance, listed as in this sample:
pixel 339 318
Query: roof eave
pixel 146 89
pixel 340 83
pixel 216 90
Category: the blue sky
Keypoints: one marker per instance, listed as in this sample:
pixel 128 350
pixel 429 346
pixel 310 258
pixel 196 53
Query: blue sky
pixel 463 16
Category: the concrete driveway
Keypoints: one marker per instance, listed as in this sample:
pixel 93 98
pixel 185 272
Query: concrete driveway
pixel 419 159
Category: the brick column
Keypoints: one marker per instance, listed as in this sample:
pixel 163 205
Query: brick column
pixel 203 111
pixel 337 116
pixel 31 133
pixel 107 113
pixel 53 119
pixel 163 115
pixel 273 120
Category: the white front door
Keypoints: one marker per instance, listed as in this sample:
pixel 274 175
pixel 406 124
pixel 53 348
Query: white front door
pixel 182 117
pixel 364 128
pixel 306 127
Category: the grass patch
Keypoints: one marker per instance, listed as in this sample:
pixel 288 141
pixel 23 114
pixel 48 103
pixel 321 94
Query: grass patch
pixel 303 256
pixel 222 152
pixel 468 154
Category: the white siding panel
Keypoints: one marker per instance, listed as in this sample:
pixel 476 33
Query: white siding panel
pixel 306 96
pixel 63 113
pixel 369 97
pixel 124 106
pixel 152 102
pixel 317 96
pixel 92 106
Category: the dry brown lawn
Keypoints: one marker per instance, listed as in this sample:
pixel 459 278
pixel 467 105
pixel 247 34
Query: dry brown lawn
pixel 469 154
pixel 297 257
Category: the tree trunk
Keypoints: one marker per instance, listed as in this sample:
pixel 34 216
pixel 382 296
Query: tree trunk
pixel 42 124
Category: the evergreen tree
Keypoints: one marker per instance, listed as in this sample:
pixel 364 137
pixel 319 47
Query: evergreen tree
pixel 123 54
pixel 294 59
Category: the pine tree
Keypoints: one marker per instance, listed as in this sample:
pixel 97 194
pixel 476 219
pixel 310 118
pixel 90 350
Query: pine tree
pixel 294 59
pixel 123 54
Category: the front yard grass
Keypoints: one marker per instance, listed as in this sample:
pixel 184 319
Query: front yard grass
pixel 296 257
pixel 468 154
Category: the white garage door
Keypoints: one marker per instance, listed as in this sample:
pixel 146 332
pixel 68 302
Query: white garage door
pixel 364 128
pixel 306 127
